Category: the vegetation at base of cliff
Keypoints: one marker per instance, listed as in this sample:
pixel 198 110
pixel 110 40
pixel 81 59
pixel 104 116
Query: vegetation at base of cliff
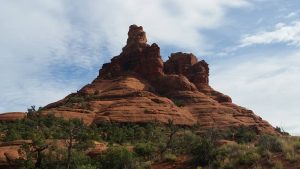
pixel 138 146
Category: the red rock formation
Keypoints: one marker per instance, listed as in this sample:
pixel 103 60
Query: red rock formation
pixel 196 71
pixel 137 57
pixel 121 99
pixel 137 86
pixel 12 116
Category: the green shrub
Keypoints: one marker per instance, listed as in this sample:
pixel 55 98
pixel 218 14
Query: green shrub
pixel 87 166
pixel 204 153
pixel 185 142
pixel 170 157
pixel 277 165
pixel 241 134
pixel 249 158
pixel 270 143
pixel 234 156
pixel 145 149
pixel 81 160
pixel 245 135
pixel 131 133
pixel 12 135
pixel 297 146
pixel 265 154
pixel 76 99
pixel 116 158
pixel 142 164
pixel 289 150
pixel 278 129
pixel 179 103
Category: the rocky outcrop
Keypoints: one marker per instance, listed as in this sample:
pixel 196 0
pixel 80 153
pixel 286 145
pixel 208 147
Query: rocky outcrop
pixel 196 71
pixel 128 89
pixel 138 87
pixel 137 57
pixel 188 65
pixel 122 99
pixel 12 116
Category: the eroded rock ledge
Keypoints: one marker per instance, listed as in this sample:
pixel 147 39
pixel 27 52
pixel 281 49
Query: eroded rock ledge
pixel 138 87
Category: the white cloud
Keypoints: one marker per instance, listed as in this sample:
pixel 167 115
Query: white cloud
pixel 38 35
pixel 291 14
pixel 171 22
pixel 269 85
pixel 282 33
pixel 23 94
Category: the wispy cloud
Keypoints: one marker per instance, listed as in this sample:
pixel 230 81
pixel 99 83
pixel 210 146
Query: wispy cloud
pixel 282 33
pixel 267 84
pixel 41 37
pixel 291 14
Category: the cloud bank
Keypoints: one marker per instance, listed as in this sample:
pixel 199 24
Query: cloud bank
pixel 282 33
pixel 46 46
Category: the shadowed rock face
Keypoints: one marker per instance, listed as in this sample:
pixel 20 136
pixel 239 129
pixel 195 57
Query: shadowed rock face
pixel 137 86
pixel 137 57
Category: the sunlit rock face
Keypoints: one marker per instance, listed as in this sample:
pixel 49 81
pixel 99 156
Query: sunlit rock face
pixel 138 87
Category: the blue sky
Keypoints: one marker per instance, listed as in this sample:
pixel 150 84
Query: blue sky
pixel 51 48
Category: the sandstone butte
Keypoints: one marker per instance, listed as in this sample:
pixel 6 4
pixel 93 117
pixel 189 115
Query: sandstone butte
pixel 137 86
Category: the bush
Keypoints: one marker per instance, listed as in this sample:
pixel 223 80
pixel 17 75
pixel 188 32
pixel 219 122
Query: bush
pixel 277 165
pixel 116 158
pixel 179 103
pixel 290 151
pixel 242 134
pixel 245 135
pixel 145 149
pixel 270 143
pixel 278 129
pixel 131 133
pixel 266 154
pixel 81 161
pixel 204 153
pixel 170 157
pixel 185 142
pixel 88 166
pixel 142 164
pixel 234 156
pixel 76 99
pixel 249 158
pixel 297 146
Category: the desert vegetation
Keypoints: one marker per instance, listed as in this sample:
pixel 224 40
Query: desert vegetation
pixel 53 142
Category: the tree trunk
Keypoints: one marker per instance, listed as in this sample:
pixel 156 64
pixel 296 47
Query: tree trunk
pixel 163 150
pixel 70 147
pixel 38 164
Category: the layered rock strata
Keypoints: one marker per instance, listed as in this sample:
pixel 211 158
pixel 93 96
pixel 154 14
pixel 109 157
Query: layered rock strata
pixel 138 87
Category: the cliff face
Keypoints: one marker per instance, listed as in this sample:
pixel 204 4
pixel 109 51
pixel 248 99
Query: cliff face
pixel 137 86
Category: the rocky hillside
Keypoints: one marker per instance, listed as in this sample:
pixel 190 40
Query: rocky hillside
pixel 137 86
pixel 148 114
